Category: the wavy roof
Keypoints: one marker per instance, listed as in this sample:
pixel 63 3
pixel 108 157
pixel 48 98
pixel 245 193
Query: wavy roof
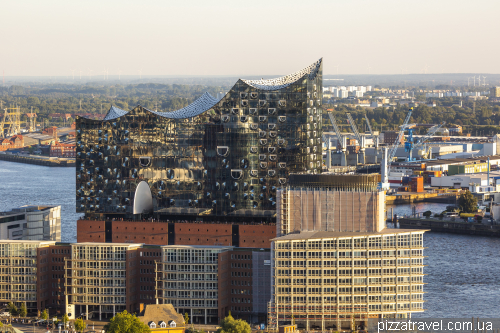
pixel 202 104
pixel 285 81
pixel 207 101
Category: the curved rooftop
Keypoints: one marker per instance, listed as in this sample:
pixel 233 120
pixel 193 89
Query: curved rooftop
pixel 207 101
pixel 285 81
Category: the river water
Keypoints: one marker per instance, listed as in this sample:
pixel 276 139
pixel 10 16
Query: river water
pixel 463 271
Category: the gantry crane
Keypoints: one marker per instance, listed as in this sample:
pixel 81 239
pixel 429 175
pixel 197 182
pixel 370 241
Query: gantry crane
pixel 341 140
pixel 375 139
pixel 389 155
pixel 10 123
pixel 361 140
pixel 409 146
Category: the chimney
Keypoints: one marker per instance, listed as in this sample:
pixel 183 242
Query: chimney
pixel 141 307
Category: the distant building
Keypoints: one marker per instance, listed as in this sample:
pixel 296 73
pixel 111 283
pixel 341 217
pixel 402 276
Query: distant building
pixel 434 95
pixel 31 223
pixel 391 136
pixel 59 149
pixel 495 92
pixel 65 116
pixel 15 142
pixel 455 129
pixel 452 94
pixel 52 131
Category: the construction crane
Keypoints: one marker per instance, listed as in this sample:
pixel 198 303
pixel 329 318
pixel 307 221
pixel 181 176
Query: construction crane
pixel 361 140
pixel 10 123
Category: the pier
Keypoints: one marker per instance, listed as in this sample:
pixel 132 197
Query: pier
pixel 421 197
pixel 39 160
pixel 453 227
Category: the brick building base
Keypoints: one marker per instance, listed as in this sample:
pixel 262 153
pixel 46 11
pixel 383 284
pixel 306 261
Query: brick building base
pixel 175 233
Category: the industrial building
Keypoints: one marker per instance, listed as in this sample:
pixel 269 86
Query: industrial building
pixel 31 223
pixel 212 160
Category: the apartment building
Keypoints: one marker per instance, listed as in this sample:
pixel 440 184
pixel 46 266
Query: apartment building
pixel 31 223
pixel 325 280
pixel 101 279
pixel 209 281
pixel 188 279
pixel 244 284
pixel 18 272
pixel 334 263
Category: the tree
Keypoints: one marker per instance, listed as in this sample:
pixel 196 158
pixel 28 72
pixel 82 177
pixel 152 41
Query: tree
pixel 44 315
pixel 186 318
pixel 230 325
pixel 427 213
pixel 125 322
pixel 23 311
pixel 65 319
pixel 12 309
pixel 80 325
pixel 467 202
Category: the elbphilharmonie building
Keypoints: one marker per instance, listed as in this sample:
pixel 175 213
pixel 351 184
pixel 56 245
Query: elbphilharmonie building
pixel 215 157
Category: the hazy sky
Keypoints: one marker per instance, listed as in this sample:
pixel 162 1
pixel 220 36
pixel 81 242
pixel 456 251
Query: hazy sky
pixel 252 37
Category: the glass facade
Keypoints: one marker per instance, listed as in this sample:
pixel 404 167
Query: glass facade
pixel 216 157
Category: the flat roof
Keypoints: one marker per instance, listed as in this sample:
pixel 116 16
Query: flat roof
pixel 199 246
pixel 27 241
pixel 107 244
pixel 339 234
pixel 459 160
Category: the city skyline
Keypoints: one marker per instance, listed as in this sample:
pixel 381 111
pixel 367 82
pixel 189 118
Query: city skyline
pixel 105 39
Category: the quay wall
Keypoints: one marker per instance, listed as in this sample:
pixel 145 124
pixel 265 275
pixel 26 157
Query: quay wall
pixel 453 227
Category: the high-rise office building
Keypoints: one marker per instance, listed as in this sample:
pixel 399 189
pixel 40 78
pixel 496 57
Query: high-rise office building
pixel 214 159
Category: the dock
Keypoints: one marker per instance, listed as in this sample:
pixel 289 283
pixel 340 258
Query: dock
pixel 452 227
pixel 421 197
pixel 39 160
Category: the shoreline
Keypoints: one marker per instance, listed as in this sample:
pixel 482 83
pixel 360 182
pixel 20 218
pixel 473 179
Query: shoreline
pixel 38 160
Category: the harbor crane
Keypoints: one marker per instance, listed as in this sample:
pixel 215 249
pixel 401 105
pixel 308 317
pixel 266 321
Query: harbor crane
pixel 10 123
pixel 375 139
pixel 389 154
pixel 341 139
pixel 361 140
pixel 409 146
